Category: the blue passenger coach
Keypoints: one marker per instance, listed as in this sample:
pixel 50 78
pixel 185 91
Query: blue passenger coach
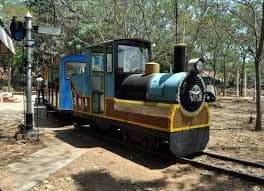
pixel 58 93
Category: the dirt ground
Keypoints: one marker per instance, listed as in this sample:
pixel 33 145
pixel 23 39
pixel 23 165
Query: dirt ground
pixel 112 167
pixel 233 134
pixel 11 115
pixel 107 166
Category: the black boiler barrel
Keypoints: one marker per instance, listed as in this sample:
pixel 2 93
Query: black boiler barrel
pixel 134 87
pixel 179 60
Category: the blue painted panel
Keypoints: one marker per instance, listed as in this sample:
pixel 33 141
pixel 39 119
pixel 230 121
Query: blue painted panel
pixel 110 84
pixel 164 87
pixel 80 82
pixel 65 84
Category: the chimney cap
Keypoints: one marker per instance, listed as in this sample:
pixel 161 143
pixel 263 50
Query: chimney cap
pixel 180 44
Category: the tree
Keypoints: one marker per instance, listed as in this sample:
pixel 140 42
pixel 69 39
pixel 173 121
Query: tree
pixel 254 25
pixel 259 53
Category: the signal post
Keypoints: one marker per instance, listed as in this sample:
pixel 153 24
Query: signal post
pixel 19 31
pixel 28 45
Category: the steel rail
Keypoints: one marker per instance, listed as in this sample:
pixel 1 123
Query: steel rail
pixel 214 168
pixel 231 159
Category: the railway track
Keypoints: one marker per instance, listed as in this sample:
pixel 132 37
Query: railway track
pixel 166 155
pixel 225 170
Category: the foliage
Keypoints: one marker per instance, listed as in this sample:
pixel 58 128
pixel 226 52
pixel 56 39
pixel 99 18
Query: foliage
pixel 215 30
pixel 5 89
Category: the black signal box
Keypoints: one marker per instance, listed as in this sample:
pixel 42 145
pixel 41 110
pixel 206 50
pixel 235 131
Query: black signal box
pixel 17 29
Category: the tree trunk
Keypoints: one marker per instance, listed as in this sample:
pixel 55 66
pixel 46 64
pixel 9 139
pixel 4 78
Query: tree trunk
pixel 214 66
pixel 237 84
pixel 241 90
pixel 245 84
pixel 257 71
pixel 176 16
pixel 258 97
pixel 224 88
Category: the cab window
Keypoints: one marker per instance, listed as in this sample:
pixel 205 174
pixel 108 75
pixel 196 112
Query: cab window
pixel 97 59
pixel 109 59
pixel 132 59
pixel 97 62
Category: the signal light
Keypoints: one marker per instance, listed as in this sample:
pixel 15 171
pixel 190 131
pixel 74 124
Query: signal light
pixel 17 30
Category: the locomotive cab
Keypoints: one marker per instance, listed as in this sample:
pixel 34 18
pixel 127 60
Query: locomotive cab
pixel 110 63
pixel 130 58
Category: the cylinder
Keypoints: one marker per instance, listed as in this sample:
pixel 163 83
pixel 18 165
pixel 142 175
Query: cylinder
pixel 179 62
pixel 152 67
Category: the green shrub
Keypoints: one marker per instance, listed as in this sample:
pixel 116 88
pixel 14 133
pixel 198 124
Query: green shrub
pixel 5 89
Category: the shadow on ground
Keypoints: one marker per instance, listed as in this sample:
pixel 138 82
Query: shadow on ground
pixel 102 180
pixel 87 138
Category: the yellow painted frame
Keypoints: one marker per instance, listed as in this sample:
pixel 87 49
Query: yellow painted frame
pixel 170 128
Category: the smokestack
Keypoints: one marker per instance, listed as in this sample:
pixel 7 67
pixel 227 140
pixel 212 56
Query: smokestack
pixel 179 63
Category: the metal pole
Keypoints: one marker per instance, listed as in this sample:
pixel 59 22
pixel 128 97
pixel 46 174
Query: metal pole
pixel 28 44
pixel 9 73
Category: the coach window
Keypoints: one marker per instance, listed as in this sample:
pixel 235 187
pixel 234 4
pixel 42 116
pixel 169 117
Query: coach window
pixel 109 59
pixel 73 68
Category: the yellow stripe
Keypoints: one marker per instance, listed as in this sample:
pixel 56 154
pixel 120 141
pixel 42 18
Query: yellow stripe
pixel 172 116
pixel 189 127
pixel 126 121
pixel 146 125
pixel 173 107
pixel 209 114
pixel 104 105
pixel 140 102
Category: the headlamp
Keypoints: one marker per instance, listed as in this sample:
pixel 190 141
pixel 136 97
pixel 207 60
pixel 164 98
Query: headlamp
pixel 195 65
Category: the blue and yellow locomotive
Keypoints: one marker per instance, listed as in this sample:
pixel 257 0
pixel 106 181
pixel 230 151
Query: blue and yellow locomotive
pixel 118 88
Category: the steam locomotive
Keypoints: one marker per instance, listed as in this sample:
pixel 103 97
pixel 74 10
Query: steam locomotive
pixel 114 86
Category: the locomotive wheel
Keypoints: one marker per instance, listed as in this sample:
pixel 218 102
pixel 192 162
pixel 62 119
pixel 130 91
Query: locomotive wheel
pixel 103 125
pixel 77 123
pixel 77 126
pixel 155 145
pixel 125 137
pixel 145 143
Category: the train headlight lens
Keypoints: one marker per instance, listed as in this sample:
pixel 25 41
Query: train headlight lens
pixel 195 65
pixel 199 66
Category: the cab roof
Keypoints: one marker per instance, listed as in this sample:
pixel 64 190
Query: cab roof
pixel 122 40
